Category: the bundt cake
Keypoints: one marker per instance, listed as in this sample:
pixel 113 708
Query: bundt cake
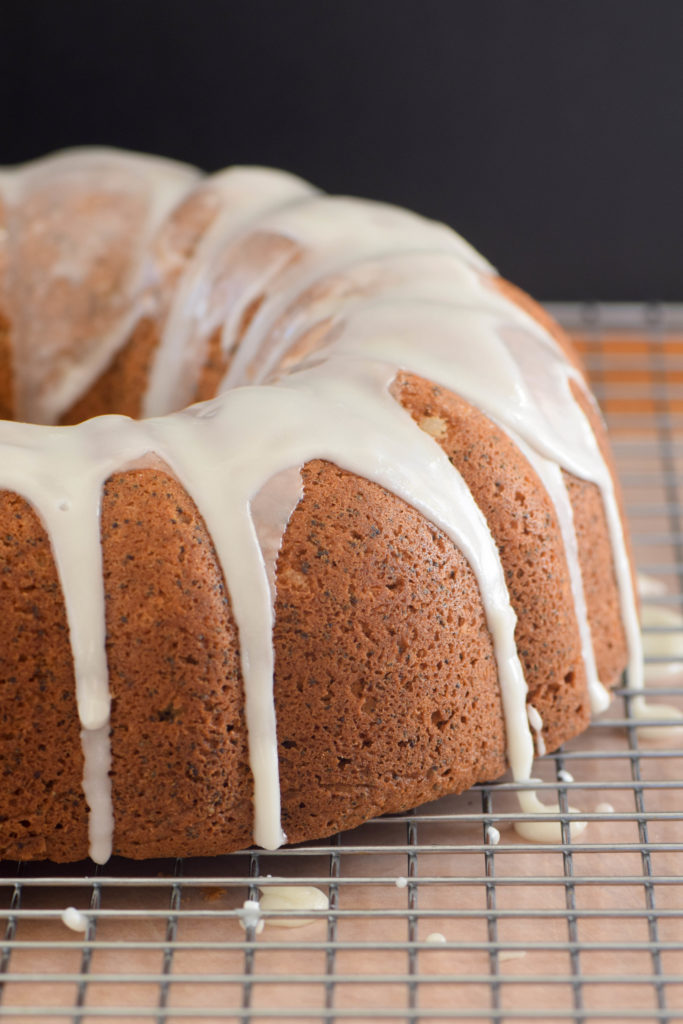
pixel 306 514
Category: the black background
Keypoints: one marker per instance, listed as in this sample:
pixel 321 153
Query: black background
pixel 549 133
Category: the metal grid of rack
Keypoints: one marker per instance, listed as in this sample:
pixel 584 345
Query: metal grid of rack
pixel 428 919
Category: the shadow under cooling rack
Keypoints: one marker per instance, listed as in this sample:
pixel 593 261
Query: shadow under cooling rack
pixel 429 918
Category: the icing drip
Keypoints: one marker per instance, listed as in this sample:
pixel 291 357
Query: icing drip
pixel 536 723
pixel 492 835
pixel 61 473
pixel 74 920
pixel 250 916
pixel 97 789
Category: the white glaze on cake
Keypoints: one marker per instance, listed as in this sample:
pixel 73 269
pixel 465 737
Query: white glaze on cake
pixel 398 278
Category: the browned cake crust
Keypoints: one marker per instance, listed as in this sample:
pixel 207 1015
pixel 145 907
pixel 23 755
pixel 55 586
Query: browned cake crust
pixel 213 369
pixel 386 686
pixel 43 811
pixel 180 773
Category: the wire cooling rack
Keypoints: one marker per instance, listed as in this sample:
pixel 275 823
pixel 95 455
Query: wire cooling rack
pixel 428 919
